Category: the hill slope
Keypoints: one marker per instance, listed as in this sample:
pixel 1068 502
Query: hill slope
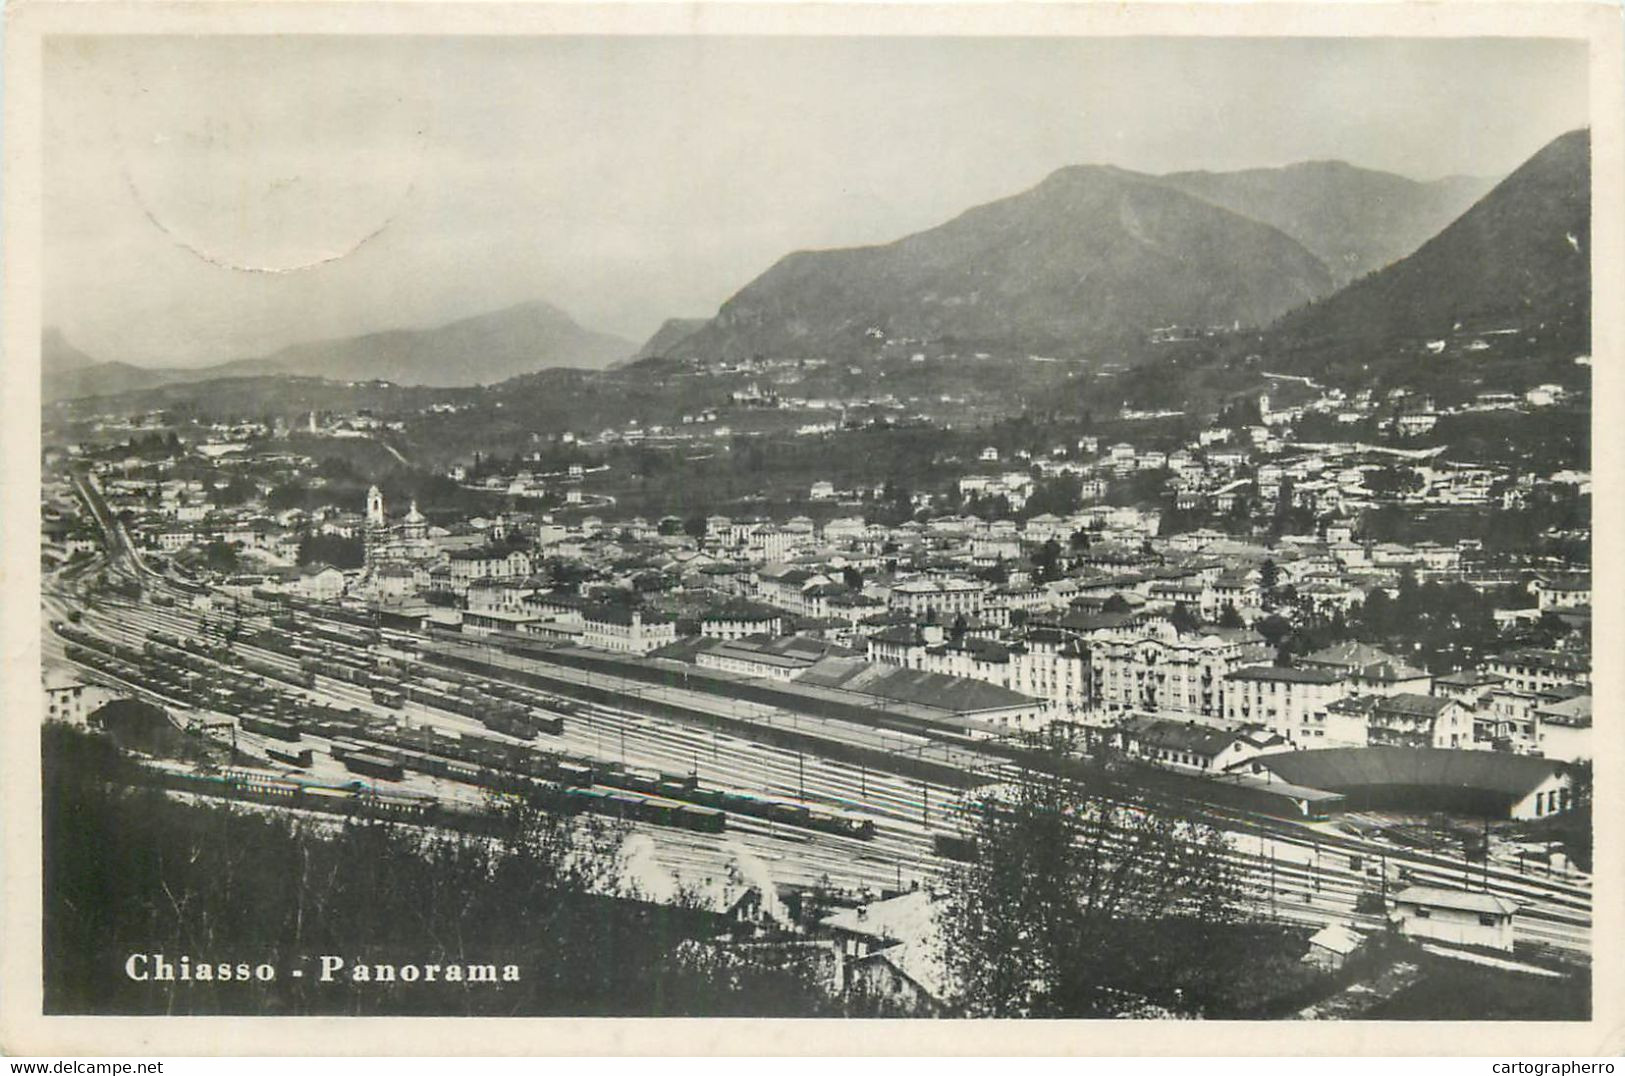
pixel 671 333
pixel 1090 256
pixel 1521 254
pixel 472 351
pixel 66 372
pixel 1353 219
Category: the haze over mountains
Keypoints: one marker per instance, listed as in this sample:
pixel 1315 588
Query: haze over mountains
pixel 1091 257
pixel 1522 253
pixel 479 350
pixel 473 351
pixel 1353 219
pixel 671 332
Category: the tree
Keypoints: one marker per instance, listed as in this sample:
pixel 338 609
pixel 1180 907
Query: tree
pixel 1375 615
pixel 220 557
pixel 1269 575
pixel 1183 619
pixel 1057 496
pixel 1047 559
pixel 694 526
pixel 1072 905
pixel 238 491
pixel 996 573
pixel 1274 629
pixel 1116 604
pixel 332 549
pixel 1230 618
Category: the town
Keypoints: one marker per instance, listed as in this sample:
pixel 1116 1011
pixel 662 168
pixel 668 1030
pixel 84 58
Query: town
pixel 1039 527
pixel 1262 620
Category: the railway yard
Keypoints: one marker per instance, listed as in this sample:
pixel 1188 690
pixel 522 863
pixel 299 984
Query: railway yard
pixel 328 711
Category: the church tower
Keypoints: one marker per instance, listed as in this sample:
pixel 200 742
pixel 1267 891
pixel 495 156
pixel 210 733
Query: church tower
pixel 375 508
pixel 415 528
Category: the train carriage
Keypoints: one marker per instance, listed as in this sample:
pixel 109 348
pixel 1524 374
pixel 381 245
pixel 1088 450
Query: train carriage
pixel 373 765
pixel 701 819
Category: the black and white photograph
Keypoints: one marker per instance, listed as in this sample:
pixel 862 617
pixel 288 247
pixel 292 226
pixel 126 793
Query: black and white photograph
pixel 904 525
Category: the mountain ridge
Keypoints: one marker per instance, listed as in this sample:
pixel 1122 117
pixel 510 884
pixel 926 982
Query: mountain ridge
pixel 1090 255
pixel 494 346
pixel 1354 219
pixel 1520 252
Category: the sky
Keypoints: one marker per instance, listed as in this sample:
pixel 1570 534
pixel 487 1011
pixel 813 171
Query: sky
pixel 212 198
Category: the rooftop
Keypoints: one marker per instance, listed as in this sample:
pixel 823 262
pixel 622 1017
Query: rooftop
pixel 1340 768
pixel 951 693
pixel 1179 735
pixel 1439 897
pixel 1285 674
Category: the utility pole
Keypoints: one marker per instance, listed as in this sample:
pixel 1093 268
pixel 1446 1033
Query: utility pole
pixel 1272 880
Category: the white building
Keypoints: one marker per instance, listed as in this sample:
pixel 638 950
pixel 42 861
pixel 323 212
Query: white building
pixel 67 698
pixel 1454 916
pixel 1157 669
pixel 1284 700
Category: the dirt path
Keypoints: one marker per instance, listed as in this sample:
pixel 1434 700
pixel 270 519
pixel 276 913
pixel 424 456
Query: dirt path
pixel 1352 1002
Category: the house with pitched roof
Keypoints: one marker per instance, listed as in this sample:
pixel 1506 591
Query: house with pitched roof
pixel 1192 747
pixel 1370 670
pixel 1455 916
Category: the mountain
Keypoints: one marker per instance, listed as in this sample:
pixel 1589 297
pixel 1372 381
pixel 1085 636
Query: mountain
pixel 1521 254
pixel 668 336
pixel 473 351
pixel 59 356
pixel 67 372
pixel 1353 219
pixel 1089 257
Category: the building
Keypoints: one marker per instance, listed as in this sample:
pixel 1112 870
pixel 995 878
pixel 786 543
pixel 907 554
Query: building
pixel 1344 722
pixel 739 619
pixel 488 562
pixel 1409 720
pixel 1563 729
pixel 784 658
pixel 1557 594
pixel 1331 947
pixel 1159 669
pixel 1454 916
pixel 626 631
pixel 1050 665
pixel 320 582
pixel 1370 670
pixel 1185 745
pixel 1491 784
pixel 1532 670
pixel 406 542
pixel 985 709
pixel 938 599
pixel 1469 686
pixel 1283 700
pixel 892 949
pixel 67 698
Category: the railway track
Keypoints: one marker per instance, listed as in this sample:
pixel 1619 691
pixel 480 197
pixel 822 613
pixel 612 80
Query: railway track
pixel 1298 872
